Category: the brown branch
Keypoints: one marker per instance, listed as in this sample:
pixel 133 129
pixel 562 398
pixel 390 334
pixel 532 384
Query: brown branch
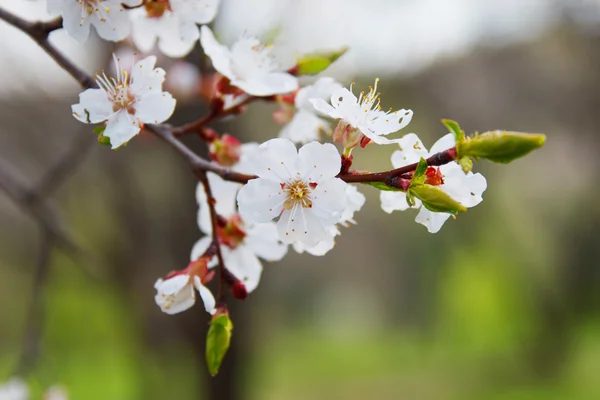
pixel 210 201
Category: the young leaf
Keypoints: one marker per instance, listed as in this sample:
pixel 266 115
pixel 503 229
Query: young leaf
pixel 99 130
pixel 436 200
pixel 313 63
pixel 382 186
pixel 454 128
pixel 501 146
pixel 419 175
pixel 217 342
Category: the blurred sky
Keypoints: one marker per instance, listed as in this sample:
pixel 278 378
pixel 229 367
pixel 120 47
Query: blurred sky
pixel 386 37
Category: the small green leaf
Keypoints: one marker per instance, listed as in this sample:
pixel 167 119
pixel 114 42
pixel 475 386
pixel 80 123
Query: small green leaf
pixel 454 128
pixel 313 63
pixel 436 200
pixel 217 342
pixel 501 146
pixel 99 130
pixel 104 140
pixel 466 164
pixel 382 186
pixel 419 175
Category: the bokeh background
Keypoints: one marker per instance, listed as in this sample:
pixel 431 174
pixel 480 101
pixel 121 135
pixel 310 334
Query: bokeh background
pixel 502 304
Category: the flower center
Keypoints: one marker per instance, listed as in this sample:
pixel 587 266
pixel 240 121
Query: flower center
pixel 232 234
pixel 434 176
pixel 156 8
pixel 298 192
pixel 117 89
pixel 92 6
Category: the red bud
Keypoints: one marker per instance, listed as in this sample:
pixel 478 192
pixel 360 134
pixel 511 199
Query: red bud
pixel 238 289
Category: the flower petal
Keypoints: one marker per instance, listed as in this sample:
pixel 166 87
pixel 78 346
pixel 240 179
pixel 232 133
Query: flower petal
pixel 198 11
pixel 432 220
pixel 200 247
pixel 77 27
pixel 301 225
pixel 111 21
pixel 219 54
pixel 277 160
pixel 411 151
pixel 323 88
pixel 304 127
pixel 329 200
pixel 319 161
pixel 260 200
pixel 267 84
pixel 395 201
pixel 155 108
pixel 321 248
pixel 325 108
pixel 464 188
pixel 206 295
pixel 121 127
pixel 444 143
pixel 178 36
pixel 145 78
pixel 175 294
pixel 244 265
pixel 263 240
pixel 93 107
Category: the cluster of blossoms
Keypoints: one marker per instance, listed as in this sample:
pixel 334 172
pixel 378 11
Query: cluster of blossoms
pixel 255 200
pixel 297 196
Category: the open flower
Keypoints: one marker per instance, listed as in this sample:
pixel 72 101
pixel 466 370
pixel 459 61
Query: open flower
pixel 249 65
pixel 242 242
pixel 176 292
pixel 355 201
pixel 108 17
pixel 306 125
pixel 362 119
pixel 127 101
pixel 464 188
pixel 172 23
pixel 299 187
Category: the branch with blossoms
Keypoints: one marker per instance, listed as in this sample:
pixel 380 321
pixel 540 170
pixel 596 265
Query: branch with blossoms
pixel 255 200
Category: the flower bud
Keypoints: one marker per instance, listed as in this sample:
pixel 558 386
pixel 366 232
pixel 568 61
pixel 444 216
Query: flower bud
pixel 348 135
pixel 225 151
pixel 218 340
pixel 435 199
pixel 501 146
pixel 313 63
pixel 238 289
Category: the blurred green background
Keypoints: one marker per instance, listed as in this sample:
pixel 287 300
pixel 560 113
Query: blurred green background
pixel 502 304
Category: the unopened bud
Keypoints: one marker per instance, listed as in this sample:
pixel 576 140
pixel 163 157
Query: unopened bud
pixel 501 146
pixel 313 63
pixel 218 340
pixel 436 200
pixel 238 289
pixel 225 151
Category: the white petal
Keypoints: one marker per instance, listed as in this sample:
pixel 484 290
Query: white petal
pixel 263 240
pixel 111 25
pixel 386 123
pixel 319 161
pixel 444 143
pixel 277 160
pixel 145 78
pixel 432 220
pixel 411 151
pixel 244 265
pixel 321 248
pixel 325 108
pixel 121 128
pixel 76 26
pixel 219 54
pixel 175 294
pixel 144 30
pixel 206 295
pixel 260 200
pixel 248 156
pixel 329 200
pixel 200 248
pixel 323 88
pixel 304 127
pixel 355 201
pixel 302 225
pixel 395 201
pixel 464 188
pixel 54 7
pixel 155 108
pixel 93 107
pixel 267 84
pixel 199 11
pixel 178 37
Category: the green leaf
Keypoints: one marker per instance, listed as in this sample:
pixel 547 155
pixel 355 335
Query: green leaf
pixel 313 63
pixel 99 130
pixel 501 146
pixel 436 200
pixel 382 186
pixel 454 128
pixel 104 140
pixel 419 175
pixel 217 342
pixel 466 164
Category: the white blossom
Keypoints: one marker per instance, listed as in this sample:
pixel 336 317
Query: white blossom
pixel 127 101
pixel 176 294
pixel 306 125
pixel 108 17
pixel 14 389
pixel 249 65
pixel 173 24
pixel 299 187
pixel 362 117
pixel 242 242
pixel 464 188
pixel 355 201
